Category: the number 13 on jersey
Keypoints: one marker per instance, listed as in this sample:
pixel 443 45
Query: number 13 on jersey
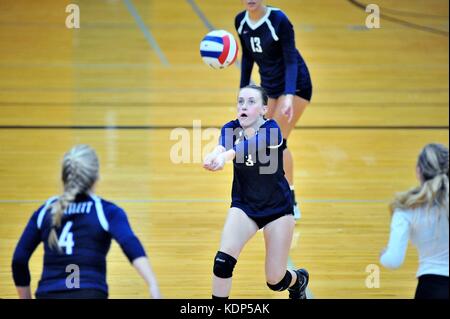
pixel 256 44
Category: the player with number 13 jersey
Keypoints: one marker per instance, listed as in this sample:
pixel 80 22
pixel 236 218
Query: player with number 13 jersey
pixel 270 42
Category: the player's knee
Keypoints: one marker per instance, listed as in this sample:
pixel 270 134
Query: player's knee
pixel 284 145
pixel 224 265
pixel 283 284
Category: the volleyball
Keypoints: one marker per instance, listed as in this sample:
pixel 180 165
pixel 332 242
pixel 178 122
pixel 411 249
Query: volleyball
pixel 219 49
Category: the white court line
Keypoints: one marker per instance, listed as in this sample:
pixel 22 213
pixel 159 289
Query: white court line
pixel 146 31
pixel 205 200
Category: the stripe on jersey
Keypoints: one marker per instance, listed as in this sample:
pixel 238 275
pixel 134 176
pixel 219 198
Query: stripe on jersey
pixel 100 213
pixel 241 26
pixel 44 210
pixel 272 30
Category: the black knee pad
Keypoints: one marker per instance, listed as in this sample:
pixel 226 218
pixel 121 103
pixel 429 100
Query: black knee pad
pixel 283 284
pixel 224 265
pixel 283 145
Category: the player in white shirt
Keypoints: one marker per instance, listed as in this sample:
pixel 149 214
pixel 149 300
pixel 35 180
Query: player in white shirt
pixel 421 215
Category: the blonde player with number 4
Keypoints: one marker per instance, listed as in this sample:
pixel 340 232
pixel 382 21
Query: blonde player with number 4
pixel 76 229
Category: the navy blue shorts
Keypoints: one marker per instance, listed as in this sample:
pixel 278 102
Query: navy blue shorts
pixel 304 86
pixel 303 92
pixel 261 221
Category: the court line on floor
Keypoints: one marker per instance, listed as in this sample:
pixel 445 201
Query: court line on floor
pixel 146 31
pixel 141 66
pixel 201 15
pixel 213 90
pixel 189 126
pixel 305 27
pixel 205 200
pixel 208 104
pixel 208 24
pixel 403 22
pixel 413 14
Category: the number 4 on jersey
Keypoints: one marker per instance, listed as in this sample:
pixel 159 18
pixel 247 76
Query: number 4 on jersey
pixel 256 44
pixel 66 238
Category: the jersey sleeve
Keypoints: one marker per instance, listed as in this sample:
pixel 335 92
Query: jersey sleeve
pixel 268 137
pixel 228 135
pixel 247 58
pixel 121 231
pixel 287 38
pixel 30 239
pixel 395 253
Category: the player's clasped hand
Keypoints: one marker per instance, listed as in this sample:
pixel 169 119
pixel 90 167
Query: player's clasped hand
pixel 214 162
pixel 207 162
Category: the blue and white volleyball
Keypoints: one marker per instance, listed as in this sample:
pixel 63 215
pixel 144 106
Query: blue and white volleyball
pixel 219 49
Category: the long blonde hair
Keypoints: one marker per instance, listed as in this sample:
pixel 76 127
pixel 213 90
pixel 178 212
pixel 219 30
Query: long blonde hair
pixel 79 173
pixel 433 192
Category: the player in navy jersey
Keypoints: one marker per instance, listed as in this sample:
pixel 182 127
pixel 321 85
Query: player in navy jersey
pixel 76 229
pixel 261 196
pixel 267 38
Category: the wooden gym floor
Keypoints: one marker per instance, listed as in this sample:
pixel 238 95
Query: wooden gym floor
pixel 132 74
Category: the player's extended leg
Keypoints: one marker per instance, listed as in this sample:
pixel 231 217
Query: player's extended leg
pixel 275 112
pixel 238 229
pixel 278 239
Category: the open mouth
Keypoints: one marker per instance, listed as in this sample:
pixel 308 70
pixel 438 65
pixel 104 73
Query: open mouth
pixel 243 115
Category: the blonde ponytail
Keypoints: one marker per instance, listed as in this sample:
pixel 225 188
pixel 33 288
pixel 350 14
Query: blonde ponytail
pixel 431 193
pixel 79 173
pixel 58 209
pixel 434 190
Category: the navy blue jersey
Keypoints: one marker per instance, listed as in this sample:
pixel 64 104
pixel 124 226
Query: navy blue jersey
pixel 271 44
pixel 260 187
pixel 88 225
